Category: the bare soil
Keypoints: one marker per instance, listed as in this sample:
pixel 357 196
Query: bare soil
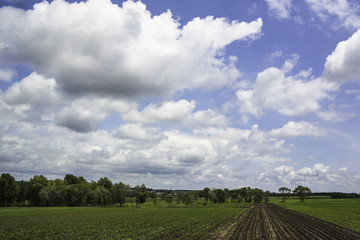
pixel 270 221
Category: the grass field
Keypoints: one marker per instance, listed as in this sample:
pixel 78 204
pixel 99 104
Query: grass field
pixel 343 212
pixel 147 222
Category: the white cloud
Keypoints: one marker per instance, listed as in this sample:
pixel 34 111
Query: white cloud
pixel 343 63
pixel 317 177
pixel 280 8
pixel 345 11
pixel 84 114
pixel 136 131
pixel 288 95
pixel 101 48
pixel 166 111
pixel 33 90
pixel 6 74
pixel 296 129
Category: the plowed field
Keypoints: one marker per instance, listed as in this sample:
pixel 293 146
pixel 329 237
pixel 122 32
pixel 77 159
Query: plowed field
pixel 269 221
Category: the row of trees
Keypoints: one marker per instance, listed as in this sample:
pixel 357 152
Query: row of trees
pixel 300 191
pixel 77 191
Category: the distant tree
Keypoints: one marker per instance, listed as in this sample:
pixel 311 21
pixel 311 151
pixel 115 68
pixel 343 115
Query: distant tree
pixel 284 191
pixel 188 199
pixel 105 182
pixel 7 189
pixel 267 196
pixel 140 194
pixel 22 192
pixel 119 192
pixel 258 195
pixel 219 196
pixel 36 183
pixel 205 193
pixel 70 179
pixel 249 194
pixel 302 192
pixel 153 196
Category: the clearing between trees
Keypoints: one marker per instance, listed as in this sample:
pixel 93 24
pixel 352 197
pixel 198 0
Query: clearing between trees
pixel 269 221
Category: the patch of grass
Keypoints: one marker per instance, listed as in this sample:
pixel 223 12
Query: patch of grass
pixel 343 212
pixel 147 222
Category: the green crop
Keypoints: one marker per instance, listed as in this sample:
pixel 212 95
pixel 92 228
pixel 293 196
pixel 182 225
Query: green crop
pixel 343 212
pixel 117 223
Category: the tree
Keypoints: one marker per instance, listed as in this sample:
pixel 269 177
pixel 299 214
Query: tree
pixel 284 191
pixel 302 192
pixel 219 196
pixel 7 189
pixel 188 199
pixel 140 194
pixel 36 183
pixel 119 192
pixel 258 195
pixel 70 179
pixel 105 182
pixel 205 194
pixel 267 196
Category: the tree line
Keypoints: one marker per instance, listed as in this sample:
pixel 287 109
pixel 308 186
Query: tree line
pixel 77 191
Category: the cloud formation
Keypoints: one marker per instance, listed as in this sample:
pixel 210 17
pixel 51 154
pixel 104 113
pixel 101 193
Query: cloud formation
pixel 290 95
pixel 297 129
pixel 280 8
pixel 100 48
pixel 346 12
pixel 318 176
pixel 342 65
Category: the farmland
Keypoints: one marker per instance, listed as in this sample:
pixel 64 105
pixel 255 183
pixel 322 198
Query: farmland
pixel 147 222
pixel 343 212
pixel 197 221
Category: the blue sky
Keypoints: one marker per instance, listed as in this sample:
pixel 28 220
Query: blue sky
pixel 182 94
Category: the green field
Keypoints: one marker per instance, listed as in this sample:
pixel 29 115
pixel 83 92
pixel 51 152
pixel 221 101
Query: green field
pixel 343 212
pixel 147 222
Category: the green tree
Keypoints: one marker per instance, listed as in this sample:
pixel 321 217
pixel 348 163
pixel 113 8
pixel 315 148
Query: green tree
pixel 258 195
pixel 205 193
pixel 22 192
pixel 302 192
pixel 284 191
pixel 140 194
pixel 219 196
pixel 267 196
pixel 105 182
pixel 119 192
pixel 36 183
pixel 70 179
pixel 188 199
pixel 7 189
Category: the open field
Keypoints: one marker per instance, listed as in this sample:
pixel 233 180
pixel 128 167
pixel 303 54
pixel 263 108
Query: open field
pixel 269 221
pixel 344 212
pixel 117 223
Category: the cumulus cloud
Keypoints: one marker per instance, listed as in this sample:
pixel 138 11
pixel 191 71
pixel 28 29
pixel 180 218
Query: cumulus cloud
pixel 100 48
pixel 6 74
pixel 84 114
pixel 34 90
pixel 347 13
pixel 280 8
pixel 136 131
pixel 297 129
pixel 166 111
pixel 342 65
pixel 289 95
pixel 318 176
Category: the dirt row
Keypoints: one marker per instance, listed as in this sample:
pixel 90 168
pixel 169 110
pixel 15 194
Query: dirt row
pixel 269 221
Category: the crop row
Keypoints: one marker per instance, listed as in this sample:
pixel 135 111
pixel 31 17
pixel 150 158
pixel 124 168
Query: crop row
pixel 114 223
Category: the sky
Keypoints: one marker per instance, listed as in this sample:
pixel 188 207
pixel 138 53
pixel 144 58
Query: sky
pixel 182 94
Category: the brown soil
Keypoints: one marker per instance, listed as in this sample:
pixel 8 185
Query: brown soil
pixel 269 221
